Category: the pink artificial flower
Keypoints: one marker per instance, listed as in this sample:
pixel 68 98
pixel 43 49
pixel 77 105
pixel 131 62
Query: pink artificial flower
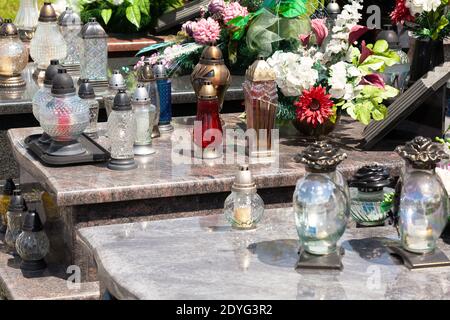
pixel 365 52
pixel 233 10
pixel 304 38
pixel 140 63
pixel 373 79
pixel 206 31
pixel 188 27
pixel 320 30
pixel 357 32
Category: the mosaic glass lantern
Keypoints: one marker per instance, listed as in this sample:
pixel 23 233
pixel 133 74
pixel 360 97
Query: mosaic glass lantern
pixel 5 200
pixel 148 80
pixel 116 83
pixel 121 131
pixel 15 215
pixel 321 207
pixel 27 19
pixel 94 53
pixel 48 42
pixel 261 103
pixel 65 117
pixel 144 115
pixel 87 94
pixel 13 56
pixel 244 208
pixel 165 97
pixel 424 203
pixel 32 244
pixel 70 25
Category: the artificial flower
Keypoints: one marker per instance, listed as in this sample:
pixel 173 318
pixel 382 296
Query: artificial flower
pixel 419 6
pixel 314 106
pixel 357 32
pixel 206 31
pixel 401 13
pixel 320 29
pixel 365 52
pixel 304 39
pixel 140 63
pixel 373 79
pixel 233 10
pixel 188 27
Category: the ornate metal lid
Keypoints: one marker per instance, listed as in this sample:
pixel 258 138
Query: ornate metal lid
pixel 9 187
pixel 371 178
pixel 244 181
pixel 51 72
pixel 333 7
pixel 260 70
pixel 17 203
pixel 8 29
pixel 32 222
pixel 145 73
pixel 321 157
pixel 47 13
pixel 117 80
pixel 92 30
pixel 69 18
pixel 140 94
pixel 207 91
pixel 122 101
pixel 86 90
pixel 422 153
pixel 63 83
pixel 159 70
pixel 211 54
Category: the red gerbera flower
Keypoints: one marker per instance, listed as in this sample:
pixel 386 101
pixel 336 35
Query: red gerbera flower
pixel 401 13
pixel 314 106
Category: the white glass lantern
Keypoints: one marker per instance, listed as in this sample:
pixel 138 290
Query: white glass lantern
pixel 144 114
pixel 70 25
pixel 27 19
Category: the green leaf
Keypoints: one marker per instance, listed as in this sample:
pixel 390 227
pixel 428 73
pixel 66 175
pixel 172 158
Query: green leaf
pixel 364 113
pixel 381 46
pixel 292 8
pixel 443 22
pixel 134 15
pixel 143 5
pixel 106 15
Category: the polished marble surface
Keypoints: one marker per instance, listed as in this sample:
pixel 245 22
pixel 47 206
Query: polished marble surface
pixel 166 174
pixel 203 258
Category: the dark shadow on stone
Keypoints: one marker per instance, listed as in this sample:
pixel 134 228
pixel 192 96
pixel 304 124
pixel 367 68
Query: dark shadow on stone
pixel 372 249
pixel 446 234
pixel 281 253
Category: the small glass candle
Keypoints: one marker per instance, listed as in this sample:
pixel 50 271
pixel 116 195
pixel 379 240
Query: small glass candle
pixel 15 215
pixel 5 200
pixel 144 114
pixel 87 94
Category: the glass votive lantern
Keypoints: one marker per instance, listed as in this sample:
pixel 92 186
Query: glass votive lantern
pixel 5 200
pixel 27 19
pixel 147 78
pixel 321 207
pixel 144 115
pixel 424 203
pixel 48 42
pixel 32 244
pixel 13 56
pixel 116 83
pixel 244 208
pixel 121 131
pixel 65 117
pixel 368 187
pixel 94 53
pixel 70 25
pixel 87 94
pixel 165 97
pixel 15 215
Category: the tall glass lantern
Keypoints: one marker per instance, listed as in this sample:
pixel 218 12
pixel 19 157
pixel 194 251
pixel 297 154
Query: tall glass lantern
pixel 144 114
pixel 48 42
pixel 94 54
pixel 70 25
pixel 165 97
pixel 27 19
pixel 147 78
pixel 116 83
pixel 87 94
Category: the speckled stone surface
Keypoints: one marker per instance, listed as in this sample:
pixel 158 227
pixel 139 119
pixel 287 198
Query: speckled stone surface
pixel 203 258
pixel 158 176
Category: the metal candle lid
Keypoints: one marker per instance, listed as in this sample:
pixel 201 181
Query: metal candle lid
pixel 160 70
pixel 141 94
pixel 51 72
pixel 47 13
pixel 145 73
pixel 8 29
pixel 63 83
pixel 9 187
pixel 422 153
pixel 207 91
pixel 86 90
pixel 371 178
pixel 212 55
pixel 244 181
pixel 117 81
pixel 17 203
pixel 260 70
pixel 122 101
pixel 333 7
pixel 321 157
pixel 69 18
pixel 32 222
pixel 93 30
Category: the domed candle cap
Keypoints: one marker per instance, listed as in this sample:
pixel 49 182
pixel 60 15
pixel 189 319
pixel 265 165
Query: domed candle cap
pixel 210 54
pixel 9 187
pixel 86 90
pixel 8 29
pixel 69 18
pixel 159 70
pixel 92 30
pixel 17 203
pixel 260 70
pixel 122 101
pixel 140 94
pixel 63 83
pixel 47 13
pixel 51 72
pixel 333 7
pixel 422 153
pixel 145 73
pixel 207 91
pixel 244 180
pixel 32 222
pixel 371 178
pixel 116 81
pixel 321 157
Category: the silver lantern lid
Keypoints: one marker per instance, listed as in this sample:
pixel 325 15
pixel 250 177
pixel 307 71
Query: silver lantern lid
pixel 140 94
pixel 93 30
pixel 8 29
pixel 122 101
pixel 244 180
pixel 117 80
pixel 63 83
pixel 333 8
pixel 69 18
pixel 159 70
pixel 86 90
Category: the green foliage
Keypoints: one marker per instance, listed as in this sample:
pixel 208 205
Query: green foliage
pixel 9 8
pixel 381 58
pixel 293 8
pixel 388 201
pixel 432 25
pixel 286 108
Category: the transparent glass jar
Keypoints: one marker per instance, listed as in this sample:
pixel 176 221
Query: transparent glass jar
pixel 366 206
pixel 41 98
pixel 94 108
pixel 47 44
pixel 27 18
pixel 94 53
pixel 13 54
pixel 70 25
pixel 15 216
pixel 144 115
pixel 122 127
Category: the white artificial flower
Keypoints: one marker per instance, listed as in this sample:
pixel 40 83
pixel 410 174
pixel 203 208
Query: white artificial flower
pixel 341 88
pixel 419 6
